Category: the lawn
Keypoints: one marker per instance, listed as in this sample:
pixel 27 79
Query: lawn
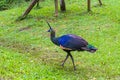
pixel 26 52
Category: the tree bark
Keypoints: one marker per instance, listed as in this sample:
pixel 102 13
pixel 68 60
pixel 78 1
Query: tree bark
pixel 100 2
pixel 56 7
pixel 38 4
pixel 62 5
pixel 89 5
pixel 27 0
pixel 29 8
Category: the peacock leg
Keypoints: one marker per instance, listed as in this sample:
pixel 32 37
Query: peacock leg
pixel 65 60
pixel 72 61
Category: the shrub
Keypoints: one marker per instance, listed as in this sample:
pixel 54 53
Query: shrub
pixel 4 5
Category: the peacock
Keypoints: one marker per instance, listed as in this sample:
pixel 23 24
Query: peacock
pixel 70 42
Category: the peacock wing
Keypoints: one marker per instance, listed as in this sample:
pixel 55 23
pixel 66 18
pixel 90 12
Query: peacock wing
pixel 72 42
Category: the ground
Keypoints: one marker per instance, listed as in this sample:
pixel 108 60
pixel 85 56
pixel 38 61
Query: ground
pixel 26 52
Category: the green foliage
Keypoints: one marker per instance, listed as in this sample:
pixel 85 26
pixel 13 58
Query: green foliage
pixel 26 52
pixel 6 4
pixel 3 5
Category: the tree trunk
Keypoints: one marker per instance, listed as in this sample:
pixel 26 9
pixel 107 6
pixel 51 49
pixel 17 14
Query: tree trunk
pixel 56 7
pixel 27 0
pixel 100 2
pixel 62 5
pixel 38 6
pixel 29 8
pixel 89 2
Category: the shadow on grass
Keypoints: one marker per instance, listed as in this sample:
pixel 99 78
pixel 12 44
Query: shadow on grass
pixel 55 59
pixel 61 15
pixel 20 47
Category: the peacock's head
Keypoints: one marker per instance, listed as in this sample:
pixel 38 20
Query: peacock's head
pixel 50 28
pixel 91 48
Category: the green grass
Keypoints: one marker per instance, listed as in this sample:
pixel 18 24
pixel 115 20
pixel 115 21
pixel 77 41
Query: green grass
pixel 28 54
